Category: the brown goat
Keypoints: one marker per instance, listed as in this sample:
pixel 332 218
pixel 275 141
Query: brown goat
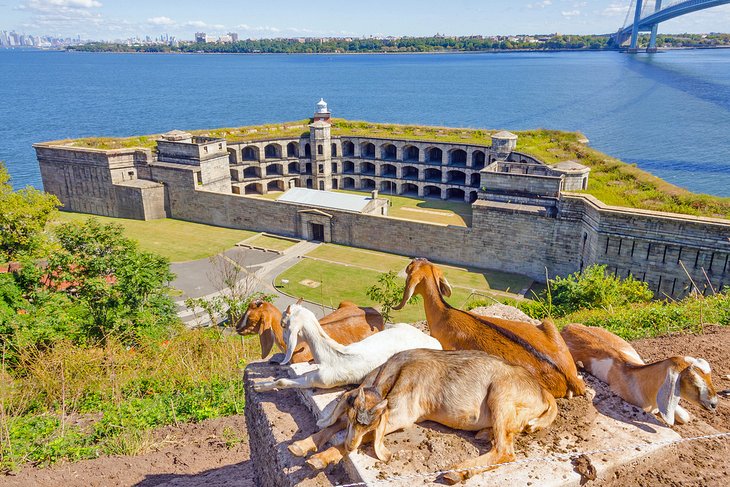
pixel 466 389
pixel 347 324
pixel 539 349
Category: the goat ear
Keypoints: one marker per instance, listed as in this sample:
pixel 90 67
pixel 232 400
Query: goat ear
pixel 667 398
pixel 444 286
pixel 361 395
pixel 266 337
pixel 299 301
pixel 380 407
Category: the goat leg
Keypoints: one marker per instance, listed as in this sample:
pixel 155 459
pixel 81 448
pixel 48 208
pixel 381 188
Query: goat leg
pixel 316 441
pixel 330 456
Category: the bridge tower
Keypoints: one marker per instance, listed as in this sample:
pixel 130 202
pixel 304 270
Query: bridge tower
pixel 635 28
pixel 652 39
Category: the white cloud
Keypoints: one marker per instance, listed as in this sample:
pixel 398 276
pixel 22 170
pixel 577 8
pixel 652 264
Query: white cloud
pixel 160 21
pixel 542 4
pixel 570 13
pixel 615 10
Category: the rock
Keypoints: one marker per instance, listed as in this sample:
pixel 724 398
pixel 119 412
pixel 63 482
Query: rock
pixel 504 312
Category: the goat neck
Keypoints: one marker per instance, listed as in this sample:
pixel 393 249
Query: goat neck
pixel 322 346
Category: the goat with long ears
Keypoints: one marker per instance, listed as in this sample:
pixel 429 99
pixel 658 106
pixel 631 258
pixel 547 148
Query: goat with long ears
pixel 347 324
pixel 655 387
pixel 338 364
pixel 467 390
pixel 540 349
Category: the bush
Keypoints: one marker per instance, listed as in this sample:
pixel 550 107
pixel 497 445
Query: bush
pixel 592 289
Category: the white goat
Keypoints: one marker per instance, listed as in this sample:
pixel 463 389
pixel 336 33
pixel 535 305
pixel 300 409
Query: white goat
pixel 340 365
pixel 656 387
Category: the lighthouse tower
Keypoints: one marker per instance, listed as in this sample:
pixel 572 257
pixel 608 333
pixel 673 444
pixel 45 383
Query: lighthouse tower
pixel 321 143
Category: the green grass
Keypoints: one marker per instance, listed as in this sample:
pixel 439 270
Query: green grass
pixel 177 240
pixel 271 242
pixel 268 196
pixel 345 273
pixel 425 209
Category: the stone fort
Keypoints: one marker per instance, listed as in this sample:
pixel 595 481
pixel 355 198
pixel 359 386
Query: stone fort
pixel 525 216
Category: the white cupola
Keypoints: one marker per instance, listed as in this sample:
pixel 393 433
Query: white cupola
pixel 322 106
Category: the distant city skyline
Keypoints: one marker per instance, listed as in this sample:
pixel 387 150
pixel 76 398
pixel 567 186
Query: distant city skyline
pixel 123 19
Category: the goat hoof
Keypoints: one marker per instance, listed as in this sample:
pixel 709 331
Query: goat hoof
pixel 452 478
pixel 297 450
pixel 316 463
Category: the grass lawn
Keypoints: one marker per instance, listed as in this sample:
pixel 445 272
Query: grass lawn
pixel 177 240
pixel 425 209
pixel 339 282
pixel 459 277
pixel 268 196
pixel 271 242
pixel 349 272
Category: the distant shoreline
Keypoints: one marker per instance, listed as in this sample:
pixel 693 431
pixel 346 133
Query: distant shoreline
pixel 455 52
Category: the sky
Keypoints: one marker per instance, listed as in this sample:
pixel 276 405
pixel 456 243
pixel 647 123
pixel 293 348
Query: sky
pixel 120 19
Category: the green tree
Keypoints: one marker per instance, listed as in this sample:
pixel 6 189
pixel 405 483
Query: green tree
pixel 388 292
pixel 23 217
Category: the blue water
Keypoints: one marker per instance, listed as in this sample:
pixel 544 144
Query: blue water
pixel 669 112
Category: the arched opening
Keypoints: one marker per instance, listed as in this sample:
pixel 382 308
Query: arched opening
pixel 348 183
pixel 367 150
pixel 232 156
pixel 333 166
pixel 456 177
pixel 335 183
pixel 432 192
pixel 410 172
pixel 272 151
pixel 250 153
pixel 253 188
pixel 292 149
pixel 473 196
pixel 367 168
pixel 388 152
pixel 348 167
pixel 307 151
pixel 389 187
pixel 409 189
pixel 310 184
pixel 455 194
pixel 477 159
pixel 294 183
pixel 475 179
pixel 348 148
pixel 434 154
pixel 274 170
pixel 251 172
pixel 367 184
pixel 411 153
pixel 434 175
pixel 293 167
pixel 388 171
pixel 457 157
pixel 308 168
pixel 276 185
pixel 334 150
pixel 584 185
pixel 320 149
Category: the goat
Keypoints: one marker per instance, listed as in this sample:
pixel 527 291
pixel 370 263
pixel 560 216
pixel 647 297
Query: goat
pixel 347 324
pixel 340 365
pixel 466 389
pixel 654 387
pixel 540 349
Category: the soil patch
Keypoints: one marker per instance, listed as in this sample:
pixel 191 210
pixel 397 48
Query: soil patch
pixel 214 453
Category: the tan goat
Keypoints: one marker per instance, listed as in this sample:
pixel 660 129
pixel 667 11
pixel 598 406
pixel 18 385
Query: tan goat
pixel 467 390
pixel 540 349
pixel 347 324
pixel 655 387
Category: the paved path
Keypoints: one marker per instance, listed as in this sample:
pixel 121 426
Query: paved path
pixel 196 278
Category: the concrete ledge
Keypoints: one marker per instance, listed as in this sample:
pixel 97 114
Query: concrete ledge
pixel 274 420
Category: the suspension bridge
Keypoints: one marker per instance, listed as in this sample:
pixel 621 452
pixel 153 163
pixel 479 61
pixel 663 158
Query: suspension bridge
pixel 647 17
